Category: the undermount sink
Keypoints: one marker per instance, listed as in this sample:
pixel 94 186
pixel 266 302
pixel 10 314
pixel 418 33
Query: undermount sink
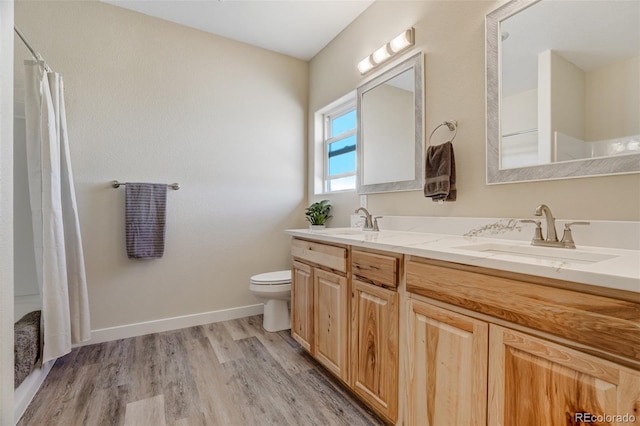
pixel 543 253
pixel 338 231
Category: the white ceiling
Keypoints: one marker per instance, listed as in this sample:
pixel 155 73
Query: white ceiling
pixel 298 28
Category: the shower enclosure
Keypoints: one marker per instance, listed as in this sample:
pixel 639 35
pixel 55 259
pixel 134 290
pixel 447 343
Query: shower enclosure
pixel 51 300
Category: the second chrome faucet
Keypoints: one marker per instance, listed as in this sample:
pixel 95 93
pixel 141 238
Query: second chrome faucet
pixel 552 236
pixel 370 223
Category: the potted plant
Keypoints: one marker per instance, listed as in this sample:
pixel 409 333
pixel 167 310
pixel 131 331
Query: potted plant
pixel 318 213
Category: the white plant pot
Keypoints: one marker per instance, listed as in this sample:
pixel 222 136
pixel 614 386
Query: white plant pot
pixel 315 227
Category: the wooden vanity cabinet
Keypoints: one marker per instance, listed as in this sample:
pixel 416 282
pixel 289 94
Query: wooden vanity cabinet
pixel 476 346
pixel 447 367
pixel 556 382
pixel 381 269
pixel 374 332
pixel 330 322
pixel 572 352
pixel 320 303
pixel 302 305
pixel 374 345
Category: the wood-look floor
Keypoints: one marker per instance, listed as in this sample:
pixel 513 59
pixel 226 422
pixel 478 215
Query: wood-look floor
pixel 226 373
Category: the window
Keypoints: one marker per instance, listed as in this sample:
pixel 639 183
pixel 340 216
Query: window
pixel 339 137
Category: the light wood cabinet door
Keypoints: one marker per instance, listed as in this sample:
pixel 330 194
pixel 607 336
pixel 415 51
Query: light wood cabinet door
pixel 374 347
pixel 302 305
pixel 534 381
pixel 446 367
pixel 331 323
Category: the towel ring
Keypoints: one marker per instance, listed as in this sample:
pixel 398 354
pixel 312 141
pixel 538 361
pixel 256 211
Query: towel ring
pixel 451 124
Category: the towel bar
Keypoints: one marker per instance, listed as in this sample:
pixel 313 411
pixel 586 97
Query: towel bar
pixel 451 124
pixel 174 186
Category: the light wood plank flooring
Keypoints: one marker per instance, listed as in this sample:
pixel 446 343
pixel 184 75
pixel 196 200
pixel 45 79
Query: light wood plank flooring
pixel 227 373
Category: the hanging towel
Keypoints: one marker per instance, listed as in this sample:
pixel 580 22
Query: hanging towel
pixel 146 207
pixel 440 173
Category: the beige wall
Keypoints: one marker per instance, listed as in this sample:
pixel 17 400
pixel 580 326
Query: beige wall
pixel 451 34
pixel 561 106
pixel 567 97
pixel 613 101
pixel 520 112
pixel 148 100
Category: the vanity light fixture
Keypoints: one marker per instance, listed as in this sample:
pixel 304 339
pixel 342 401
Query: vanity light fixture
pixel 396 45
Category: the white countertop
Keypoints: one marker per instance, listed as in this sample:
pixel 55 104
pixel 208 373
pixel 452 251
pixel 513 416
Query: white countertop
pixel 603 267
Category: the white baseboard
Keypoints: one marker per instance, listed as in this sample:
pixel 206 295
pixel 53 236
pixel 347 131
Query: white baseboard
pixel 28 389
pixel 167 324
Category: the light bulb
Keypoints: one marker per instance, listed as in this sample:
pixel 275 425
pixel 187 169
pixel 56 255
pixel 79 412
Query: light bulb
pixel 365 65
pixel 402 41
pixel 399 42
pixel 381 55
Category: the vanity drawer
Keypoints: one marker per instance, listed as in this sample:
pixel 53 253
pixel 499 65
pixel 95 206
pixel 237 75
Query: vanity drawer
pixel 380 269
pixel 321 254
pixel 603 323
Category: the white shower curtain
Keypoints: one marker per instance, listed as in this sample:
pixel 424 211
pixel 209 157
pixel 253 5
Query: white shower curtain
pixel 56 228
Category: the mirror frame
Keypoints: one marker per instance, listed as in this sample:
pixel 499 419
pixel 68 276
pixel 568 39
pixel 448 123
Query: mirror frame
pixel 623 164
pixel 415 62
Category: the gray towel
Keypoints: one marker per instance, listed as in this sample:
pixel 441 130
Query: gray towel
pixel 145 217
pixel 440 173
pixel 26 347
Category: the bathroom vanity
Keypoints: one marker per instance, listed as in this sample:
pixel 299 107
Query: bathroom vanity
pixel 426 329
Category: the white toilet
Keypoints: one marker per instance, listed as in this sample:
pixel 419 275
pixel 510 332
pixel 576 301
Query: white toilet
pixel 274 290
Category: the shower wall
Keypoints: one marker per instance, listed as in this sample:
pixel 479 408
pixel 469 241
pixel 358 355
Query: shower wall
pixel 26 292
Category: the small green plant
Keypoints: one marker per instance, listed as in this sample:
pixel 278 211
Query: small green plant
pixel 318 213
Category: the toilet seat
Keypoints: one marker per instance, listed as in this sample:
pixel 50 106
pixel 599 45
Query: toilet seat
pixel 272 278
pixel 273 289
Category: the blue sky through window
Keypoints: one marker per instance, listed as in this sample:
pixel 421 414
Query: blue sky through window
pixel 343 123
pixel 342 156
pixel 342 153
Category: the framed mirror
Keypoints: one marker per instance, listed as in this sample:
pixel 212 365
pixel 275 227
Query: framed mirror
pixel 563 89
pixel 390 136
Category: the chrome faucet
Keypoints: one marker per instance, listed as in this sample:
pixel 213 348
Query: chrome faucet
pixel 370 224
pixel 552 236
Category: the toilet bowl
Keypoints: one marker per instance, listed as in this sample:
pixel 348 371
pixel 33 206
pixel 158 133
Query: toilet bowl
pixel 274 290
